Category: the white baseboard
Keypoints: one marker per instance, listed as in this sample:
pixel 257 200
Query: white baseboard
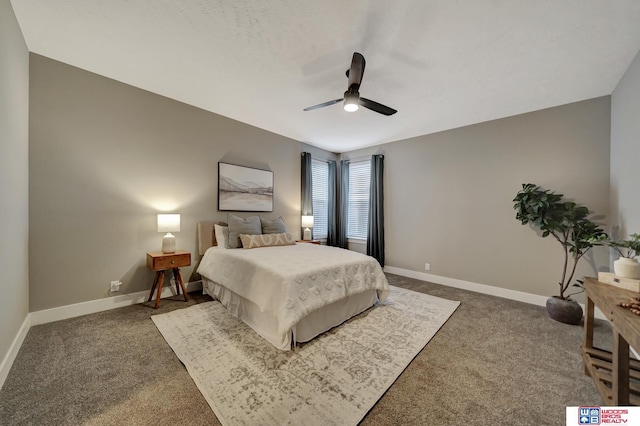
pixel 92 306
pixel 7 362
pixel 505 293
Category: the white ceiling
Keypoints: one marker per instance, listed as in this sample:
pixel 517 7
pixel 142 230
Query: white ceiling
pixel 441 63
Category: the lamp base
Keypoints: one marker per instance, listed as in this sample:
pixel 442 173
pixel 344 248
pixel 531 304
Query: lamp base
pixel 307 234
pixel 169 243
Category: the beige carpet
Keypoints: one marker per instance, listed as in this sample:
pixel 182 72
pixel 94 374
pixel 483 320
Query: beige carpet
pixel 334 379
pixel 495 362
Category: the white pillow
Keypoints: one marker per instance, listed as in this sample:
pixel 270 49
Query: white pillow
pixel 222 236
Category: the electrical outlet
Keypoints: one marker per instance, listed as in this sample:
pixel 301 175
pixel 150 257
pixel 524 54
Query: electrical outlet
pixel 115 286
pixel 427 266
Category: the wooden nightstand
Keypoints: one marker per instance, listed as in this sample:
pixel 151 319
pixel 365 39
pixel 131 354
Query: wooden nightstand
pixel 309 241
pixel 161 262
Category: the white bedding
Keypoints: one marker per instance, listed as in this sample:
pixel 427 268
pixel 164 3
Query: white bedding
pixel 292 281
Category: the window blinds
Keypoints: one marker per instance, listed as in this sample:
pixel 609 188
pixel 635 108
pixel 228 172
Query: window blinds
pixel 320 185
pixel 359 182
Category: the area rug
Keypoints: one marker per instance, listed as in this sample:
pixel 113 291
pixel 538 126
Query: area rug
pixel 334 379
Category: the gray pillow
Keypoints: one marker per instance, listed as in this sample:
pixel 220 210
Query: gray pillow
pixel 238 225
pixel 275 226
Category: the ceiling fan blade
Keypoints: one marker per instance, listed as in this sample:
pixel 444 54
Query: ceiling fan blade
pixel 374 106
pixel 356 71
pixel 324 104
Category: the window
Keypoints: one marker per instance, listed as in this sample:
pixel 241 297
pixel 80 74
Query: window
pixel 358 216
pixel 320 189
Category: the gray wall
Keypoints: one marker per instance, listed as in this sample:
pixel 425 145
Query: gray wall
pixel 448 196
pixel 104 154
pixel 14 178
pixel 318 153
pixel 106 157
pixel 625 151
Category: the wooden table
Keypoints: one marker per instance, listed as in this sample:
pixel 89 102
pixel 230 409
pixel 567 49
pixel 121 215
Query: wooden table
pixel 611 371
pixel 160 262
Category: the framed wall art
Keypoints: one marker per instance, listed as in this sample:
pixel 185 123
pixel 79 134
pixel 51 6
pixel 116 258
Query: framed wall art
pixel 244 189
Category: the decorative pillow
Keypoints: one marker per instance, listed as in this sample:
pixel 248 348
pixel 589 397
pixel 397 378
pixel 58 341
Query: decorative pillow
pixel 275 226
pixel 214 241
pixel 266 240
pixel 222 236
pixel 238 225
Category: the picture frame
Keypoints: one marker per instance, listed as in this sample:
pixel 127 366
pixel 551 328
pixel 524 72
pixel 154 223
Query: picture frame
pixel 244 189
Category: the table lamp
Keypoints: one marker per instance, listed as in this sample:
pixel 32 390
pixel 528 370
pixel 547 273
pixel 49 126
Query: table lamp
pixel 307 222
pixel 169 223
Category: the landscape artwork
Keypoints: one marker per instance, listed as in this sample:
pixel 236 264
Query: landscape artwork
pixel 244 189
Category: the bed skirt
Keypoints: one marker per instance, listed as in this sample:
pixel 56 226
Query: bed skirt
pixel 266 325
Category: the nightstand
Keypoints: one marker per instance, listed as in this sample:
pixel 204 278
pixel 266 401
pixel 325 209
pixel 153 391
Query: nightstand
pixel 309 241
pixel 161 262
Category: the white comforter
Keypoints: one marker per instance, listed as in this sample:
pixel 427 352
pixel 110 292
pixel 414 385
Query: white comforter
pixel 292 281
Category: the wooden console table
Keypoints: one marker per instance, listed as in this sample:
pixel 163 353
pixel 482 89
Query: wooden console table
pixel 616 376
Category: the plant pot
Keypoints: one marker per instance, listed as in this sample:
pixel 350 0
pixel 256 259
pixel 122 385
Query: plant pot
pixel 566 311
pixel 627 268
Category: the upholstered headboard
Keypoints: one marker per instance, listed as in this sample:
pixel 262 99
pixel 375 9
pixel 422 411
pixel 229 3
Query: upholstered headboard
pixel 207 235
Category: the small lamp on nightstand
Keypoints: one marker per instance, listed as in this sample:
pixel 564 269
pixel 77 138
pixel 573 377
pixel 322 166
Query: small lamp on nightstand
pixel 168 223
pixel 307 222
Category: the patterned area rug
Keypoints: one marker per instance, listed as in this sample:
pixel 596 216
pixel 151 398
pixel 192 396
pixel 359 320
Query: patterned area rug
pixel 334 379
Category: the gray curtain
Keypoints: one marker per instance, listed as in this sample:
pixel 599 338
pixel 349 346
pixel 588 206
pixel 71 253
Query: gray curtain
pixel 375 231
pixel 332 225
pixel 343 205
pixel 306 188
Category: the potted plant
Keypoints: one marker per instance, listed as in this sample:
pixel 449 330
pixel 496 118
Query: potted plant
pixel 627 266
pixel 570 225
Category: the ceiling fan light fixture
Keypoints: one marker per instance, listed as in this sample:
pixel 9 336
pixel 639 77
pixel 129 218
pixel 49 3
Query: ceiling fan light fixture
pixel 351 102
pixel 350 107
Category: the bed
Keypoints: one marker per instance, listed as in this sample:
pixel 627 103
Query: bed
pixel 289 293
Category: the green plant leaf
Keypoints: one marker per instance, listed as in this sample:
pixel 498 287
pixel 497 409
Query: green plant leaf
pixel 565 220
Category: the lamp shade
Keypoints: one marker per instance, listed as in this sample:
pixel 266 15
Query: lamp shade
pixel 168 223
pixel 307 221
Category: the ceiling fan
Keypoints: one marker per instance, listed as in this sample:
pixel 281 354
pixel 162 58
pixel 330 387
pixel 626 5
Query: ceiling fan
pixel 352 97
